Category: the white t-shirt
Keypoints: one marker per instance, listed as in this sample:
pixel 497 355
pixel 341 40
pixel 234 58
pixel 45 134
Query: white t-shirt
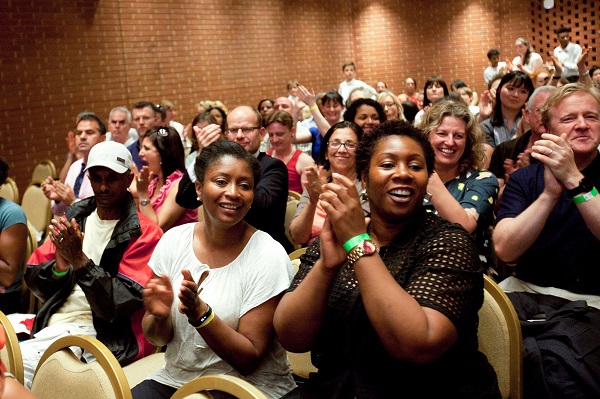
pixel 261 271
pixel 490 71
pixel 533 58
pixel 76 308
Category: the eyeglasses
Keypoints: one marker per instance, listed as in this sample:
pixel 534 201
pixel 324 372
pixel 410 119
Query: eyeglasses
pixel 389 105
pixel 348 145
pixel 163 131
pixel 245 130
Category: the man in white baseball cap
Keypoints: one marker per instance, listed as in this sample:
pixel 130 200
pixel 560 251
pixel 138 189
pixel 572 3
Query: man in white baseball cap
pixel 92 284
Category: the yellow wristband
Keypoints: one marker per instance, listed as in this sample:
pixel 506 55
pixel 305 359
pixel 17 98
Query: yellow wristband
pixel 314 107
pixel 208 320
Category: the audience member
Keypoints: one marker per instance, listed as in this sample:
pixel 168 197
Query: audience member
pixel 144 119
pixel 9 386
pixel 91 284
pixel 13 244
pixel 280 127
pixel 466 95
pixel 380 86
pixel 220 115
pixel 595 73
pixel 567 54
pixel 200 121
pixel 516 153
pixel 350 83
pixel 435 88
pixel 541 77
pixel 399 298
pixel 355 94
pixel 549 225
pixel 292 88
pixel 366 113
pixel 496 66
pixel 266 108
pixel 512 94
pixel 391 105
pixel 90 131
pixel 459 189
pixel 157 182
pixel 271 193
pixel 526 60
pixel 170 120
pixel 216 285
pixel 337 156
pixel 410 110
pixel 410 91
pixel 119 127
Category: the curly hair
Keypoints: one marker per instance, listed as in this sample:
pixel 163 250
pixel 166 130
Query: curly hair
pixel 400 128
pixel 474 154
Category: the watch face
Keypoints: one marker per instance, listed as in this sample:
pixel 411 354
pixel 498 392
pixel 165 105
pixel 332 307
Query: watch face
pixel 369 247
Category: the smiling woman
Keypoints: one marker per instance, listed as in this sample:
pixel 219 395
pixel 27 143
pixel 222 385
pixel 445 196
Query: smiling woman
pixel 459 190
pixel 396 297
pixel 224 262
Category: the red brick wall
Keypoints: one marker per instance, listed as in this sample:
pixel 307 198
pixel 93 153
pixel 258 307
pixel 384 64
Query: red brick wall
pixel 60 57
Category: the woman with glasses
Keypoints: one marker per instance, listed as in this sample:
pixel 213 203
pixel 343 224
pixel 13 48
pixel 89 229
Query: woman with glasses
pixel 391 105
pixel 158 181
pixel 337 156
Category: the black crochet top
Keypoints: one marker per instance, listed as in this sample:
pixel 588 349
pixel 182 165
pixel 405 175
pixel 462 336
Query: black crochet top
pixel 436 262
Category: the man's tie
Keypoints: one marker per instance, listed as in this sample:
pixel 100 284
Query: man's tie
pixel 78 181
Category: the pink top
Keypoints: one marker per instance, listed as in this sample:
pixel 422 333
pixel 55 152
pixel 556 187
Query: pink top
pixel 188 216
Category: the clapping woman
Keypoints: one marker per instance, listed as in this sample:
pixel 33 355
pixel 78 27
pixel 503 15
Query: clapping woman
pixel 158 181
pixel 389 307
pixel 223 262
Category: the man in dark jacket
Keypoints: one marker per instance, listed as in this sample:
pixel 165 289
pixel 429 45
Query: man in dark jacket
pixel 92 283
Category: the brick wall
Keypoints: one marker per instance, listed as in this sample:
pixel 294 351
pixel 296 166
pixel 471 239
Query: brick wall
pixel 60 57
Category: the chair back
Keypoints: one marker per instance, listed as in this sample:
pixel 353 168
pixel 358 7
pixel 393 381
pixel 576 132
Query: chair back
pixel 290 211
pixel 28 300
pixel 139 370
pixel 42 170
pixel 235 386
pixel 10 191
pixel 61 375
pixel 11 353
pixel 37 207
pixel 500 339
pixel 294 195
pixel 295 258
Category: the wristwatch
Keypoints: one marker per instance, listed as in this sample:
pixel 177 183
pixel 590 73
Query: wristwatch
pixel 144 202
pixel 585 186
pixel 364 248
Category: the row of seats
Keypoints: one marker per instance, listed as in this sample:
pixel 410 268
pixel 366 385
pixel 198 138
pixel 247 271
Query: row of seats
pixel 61 375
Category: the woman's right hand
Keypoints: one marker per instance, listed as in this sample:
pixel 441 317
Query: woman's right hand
pixel 207 135
pixel 143 180
pixel 158 296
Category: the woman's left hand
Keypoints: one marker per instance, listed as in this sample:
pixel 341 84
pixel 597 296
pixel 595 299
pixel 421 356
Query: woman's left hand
pixel 341 202
pixel 189 296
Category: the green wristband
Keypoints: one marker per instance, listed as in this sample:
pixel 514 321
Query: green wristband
pixel 585 197
pixel 354 241
pixel 59 274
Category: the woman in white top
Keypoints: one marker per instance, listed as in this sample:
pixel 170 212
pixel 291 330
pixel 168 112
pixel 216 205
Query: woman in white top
pixel 527 60
pixel 223 261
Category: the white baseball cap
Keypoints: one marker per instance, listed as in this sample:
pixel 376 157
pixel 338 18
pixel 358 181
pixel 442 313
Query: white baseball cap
pixel 110 154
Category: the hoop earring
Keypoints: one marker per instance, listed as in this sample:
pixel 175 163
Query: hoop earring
pixel 364 195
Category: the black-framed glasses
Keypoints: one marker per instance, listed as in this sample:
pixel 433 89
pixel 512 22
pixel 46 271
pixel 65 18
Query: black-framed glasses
pixel 163 131
pixel 348 145
pixel 245 130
